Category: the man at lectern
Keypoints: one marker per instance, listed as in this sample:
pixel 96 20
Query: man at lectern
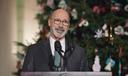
pixel 57 52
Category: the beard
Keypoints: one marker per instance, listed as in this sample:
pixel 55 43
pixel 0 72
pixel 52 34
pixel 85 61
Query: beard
pixel 58 32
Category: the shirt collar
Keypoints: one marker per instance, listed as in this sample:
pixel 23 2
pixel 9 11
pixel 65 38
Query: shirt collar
pixel 52 41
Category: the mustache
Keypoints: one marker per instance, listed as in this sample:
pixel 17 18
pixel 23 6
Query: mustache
pixel 60 29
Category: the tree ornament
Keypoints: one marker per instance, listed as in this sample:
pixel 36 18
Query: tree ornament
pixel 105 30
pixel 96 9
pixel 126 33
pixel 104 27
pixel 99 9
pixel 62 4
pixel 119 30
pixel 109 64
pixel 126 23
pixel 96 66
pixel 108 67
pixel 50 3
pixel 74 14
pixel 83 22
pixel 121 51
pixel 116 7
pixel 126 27
pixel 106 33
pixel 99 34
pixel 126 8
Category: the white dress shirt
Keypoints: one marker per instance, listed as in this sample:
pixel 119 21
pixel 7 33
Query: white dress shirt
pixel 52 41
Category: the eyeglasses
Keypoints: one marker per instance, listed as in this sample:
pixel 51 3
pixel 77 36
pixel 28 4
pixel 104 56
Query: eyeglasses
pixel 58 21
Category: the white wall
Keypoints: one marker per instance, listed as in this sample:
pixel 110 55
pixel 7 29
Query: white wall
pixel 8 32
pixel 7 22
pixel 30 23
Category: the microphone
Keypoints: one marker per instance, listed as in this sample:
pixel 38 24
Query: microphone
pixel 58 48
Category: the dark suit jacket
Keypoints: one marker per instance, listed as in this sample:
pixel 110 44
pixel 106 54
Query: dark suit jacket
pixel 39 58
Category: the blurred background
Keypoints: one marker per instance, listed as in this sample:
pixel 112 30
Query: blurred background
pixel 17 23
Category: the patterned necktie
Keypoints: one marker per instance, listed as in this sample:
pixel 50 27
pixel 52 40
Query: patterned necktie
pixel 57 57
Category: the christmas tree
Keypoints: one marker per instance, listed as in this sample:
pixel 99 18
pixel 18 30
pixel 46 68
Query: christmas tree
pixel 101 24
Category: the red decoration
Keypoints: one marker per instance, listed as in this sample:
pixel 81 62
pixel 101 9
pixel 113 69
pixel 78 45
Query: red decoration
pixel 126 23
pixel 115 7
pixel 99 9
pixel 121 51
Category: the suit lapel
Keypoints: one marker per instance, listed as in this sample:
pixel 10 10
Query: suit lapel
pixel 68 52
pixel 68 49
pixel 47 50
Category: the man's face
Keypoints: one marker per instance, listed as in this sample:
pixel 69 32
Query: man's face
pixel 59 24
